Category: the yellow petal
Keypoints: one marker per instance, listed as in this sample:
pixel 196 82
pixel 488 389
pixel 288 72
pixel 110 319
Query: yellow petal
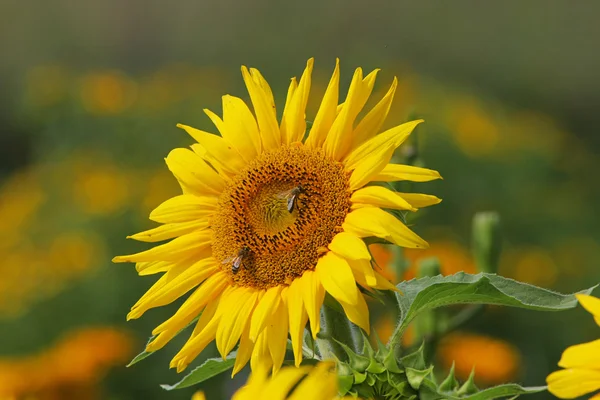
pixel 363 273
pixel 349 246
pixel 214 149
pixel 400 172
pixel 337 143
pixel 371 123
pixel 293 122
pixel 313 295
pixel 379 196
pixel 169 231
pixel 244 351
pixel 199 395
pixel 184 208
pixel 370 166
pixel 264 108
pixel 235 312
pixel 383 283
pixel 393 137
pixel 175 286
pixel 194 175
pixel 358 313
pixel 207 292
pixel 261 357
pixel 581 355
pixel 591 304
pixel 280 385
pixel 263 311
pixel 152 267
pixel 571 383
pixel 320 384
pixel 177 249
pixel 288 105
pixel 195 345
pixel 420 200
pixel 336 277
pixel 241 128
pixel 203 334
pixel 327 111
pixel 298 318
pixel 207 315
pixel 278 334
pixel 371 221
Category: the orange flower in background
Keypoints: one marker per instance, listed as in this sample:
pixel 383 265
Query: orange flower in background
pixel 530 265
pixel 452 256
pixel 69 370
pixel 384 257
pixel 495 361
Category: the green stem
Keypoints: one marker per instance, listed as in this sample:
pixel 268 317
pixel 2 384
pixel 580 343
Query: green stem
pixel 335 325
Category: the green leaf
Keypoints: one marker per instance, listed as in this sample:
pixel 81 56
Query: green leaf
pixel 210 368
pixel 427 293
pixel 510 389
pixel 144 354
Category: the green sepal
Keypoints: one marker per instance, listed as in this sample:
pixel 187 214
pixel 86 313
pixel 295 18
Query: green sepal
pixel 450 384
pixel 345 377
pixel 381 347
pixel 375 367
pixel 391 364
pixel 381 377
pixel 469 386
pixel 359 377
pixel 371 379
pixel 398 382
pixel 415 360
pixel 356 361
pixel 415 376
pixel 367 348
pixel 365 391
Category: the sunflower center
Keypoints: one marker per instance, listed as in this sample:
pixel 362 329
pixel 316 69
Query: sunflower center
pixel 278 215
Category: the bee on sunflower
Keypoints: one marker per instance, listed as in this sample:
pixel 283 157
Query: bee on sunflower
pixel 272 217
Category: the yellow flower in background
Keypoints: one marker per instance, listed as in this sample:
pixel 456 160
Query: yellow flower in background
pixel 270 220
pixel 107 92
pixel 474 131
pixel 291 383
pixel 581 362
pixel 495 361
pixel 69 370
pixel 100 188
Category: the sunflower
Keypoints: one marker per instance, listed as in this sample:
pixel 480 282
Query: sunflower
pixel 581 362
pixel 271 219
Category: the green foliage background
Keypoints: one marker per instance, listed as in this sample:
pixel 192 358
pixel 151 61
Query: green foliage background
pixel 91 93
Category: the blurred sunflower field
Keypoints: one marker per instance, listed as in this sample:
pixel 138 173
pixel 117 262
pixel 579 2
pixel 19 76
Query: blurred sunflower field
pixel 91 93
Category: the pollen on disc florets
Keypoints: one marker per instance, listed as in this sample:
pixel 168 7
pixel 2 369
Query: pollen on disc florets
pixel 280 242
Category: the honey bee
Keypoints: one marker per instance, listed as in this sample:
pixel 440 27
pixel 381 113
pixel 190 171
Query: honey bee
pixel 238 260
pixel 292 197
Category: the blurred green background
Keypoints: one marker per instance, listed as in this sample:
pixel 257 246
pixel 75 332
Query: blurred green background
pixel 91 93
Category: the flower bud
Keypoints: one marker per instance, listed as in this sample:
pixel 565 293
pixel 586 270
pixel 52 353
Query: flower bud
pixel 486 241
